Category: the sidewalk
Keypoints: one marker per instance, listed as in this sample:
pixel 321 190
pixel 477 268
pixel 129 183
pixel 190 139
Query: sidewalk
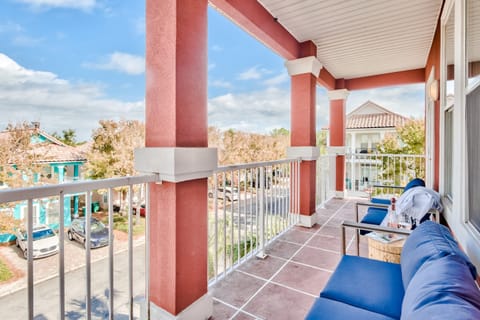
pixel 47 268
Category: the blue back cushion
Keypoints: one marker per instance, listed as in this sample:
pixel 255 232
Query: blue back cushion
pixel 442 289
pixel 429 240
pixel 367 284
pixel 381 201
pixel 417 182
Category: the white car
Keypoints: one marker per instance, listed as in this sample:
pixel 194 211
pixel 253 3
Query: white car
pixel 45 241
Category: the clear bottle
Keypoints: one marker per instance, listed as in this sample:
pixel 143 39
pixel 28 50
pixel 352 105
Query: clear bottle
pixel 392 215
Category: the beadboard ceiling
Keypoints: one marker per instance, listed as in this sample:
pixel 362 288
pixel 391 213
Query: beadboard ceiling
pixel 361 38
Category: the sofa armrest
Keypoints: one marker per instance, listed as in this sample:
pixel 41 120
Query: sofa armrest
pixel 366 226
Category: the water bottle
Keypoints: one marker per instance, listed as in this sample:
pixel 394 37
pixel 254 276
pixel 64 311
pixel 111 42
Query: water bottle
pixel 392 215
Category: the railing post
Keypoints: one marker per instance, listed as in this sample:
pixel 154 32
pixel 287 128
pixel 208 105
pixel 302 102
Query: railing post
pixel 261 215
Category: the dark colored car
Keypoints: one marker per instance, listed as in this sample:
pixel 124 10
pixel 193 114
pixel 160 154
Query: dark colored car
pixel 98 236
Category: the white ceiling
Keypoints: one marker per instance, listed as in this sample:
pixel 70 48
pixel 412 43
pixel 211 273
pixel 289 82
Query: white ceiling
pixel 357 38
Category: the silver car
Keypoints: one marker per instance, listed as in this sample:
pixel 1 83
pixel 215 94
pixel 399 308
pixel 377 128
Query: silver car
pixel 45 241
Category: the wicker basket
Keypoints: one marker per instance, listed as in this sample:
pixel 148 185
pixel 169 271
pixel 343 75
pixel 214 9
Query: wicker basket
pixel 389 252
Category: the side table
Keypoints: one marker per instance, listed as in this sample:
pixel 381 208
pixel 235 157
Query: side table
pixel 388 252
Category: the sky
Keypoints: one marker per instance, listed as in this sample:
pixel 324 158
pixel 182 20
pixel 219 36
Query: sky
pixel 70 63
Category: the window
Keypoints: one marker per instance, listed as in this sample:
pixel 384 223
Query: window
pixel 448 105
pixel 472 110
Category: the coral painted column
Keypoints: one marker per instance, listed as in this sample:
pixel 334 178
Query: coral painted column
pixel 176 133
pixel 304 73
pixel 337 136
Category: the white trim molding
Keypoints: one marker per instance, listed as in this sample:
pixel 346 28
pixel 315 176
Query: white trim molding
pixel 340 94
pixel 304 65
pixel 305 153
pixel 336 150
pixel 307 221
pixel 201 309
pixel 177 164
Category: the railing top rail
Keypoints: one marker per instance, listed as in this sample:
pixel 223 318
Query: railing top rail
pixel 385 155
pixel 21 194
pixel 255 165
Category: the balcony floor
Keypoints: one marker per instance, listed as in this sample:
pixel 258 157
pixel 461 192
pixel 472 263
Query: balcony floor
pixel 285 284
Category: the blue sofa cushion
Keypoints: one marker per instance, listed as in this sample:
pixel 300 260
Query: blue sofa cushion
pixel 368 284
pixel 381 201
pixel 429 240
pixel 417 182
pixel 373 216
pixel 442 289
pixel 327 309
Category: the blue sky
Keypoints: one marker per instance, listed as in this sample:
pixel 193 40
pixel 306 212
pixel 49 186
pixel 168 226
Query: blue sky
pixel 70 63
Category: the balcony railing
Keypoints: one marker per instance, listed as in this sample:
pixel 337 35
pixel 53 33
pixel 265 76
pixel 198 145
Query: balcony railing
pixel 250 206
pixel 60 193
pixel 365 170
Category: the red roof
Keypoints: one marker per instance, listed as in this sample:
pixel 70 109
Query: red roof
pixel 372 115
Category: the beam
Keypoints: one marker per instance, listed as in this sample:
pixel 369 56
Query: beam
pixel 387 79
pixel 256 20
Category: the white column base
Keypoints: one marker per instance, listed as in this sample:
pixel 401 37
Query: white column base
pixel 339 194
pixel 202 309
pixel 307 221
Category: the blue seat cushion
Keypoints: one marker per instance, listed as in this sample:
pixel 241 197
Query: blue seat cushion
pixel 373 216
pixel 327 309
pixel 367 284
pixel 429 240
pixel 442 289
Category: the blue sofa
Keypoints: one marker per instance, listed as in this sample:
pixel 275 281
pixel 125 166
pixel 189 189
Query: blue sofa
pixel 435 280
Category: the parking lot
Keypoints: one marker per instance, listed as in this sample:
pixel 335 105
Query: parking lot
pixel 47 268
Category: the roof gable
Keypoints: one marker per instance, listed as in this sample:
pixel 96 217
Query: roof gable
pixel 371 115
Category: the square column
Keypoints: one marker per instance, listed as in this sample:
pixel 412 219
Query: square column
pixel 338 100
pixel 304 73
pixel 176 133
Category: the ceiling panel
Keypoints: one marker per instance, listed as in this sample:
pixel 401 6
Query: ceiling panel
pixel 361 38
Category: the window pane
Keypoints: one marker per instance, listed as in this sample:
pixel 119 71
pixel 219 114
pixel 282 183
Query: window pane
pixel 473 42
pixel 473 150
pixel 448 153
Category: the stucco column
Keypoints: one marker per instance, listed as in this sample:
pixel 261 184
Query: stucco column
pixel 176 134
pixel 338 100
pixel 304 73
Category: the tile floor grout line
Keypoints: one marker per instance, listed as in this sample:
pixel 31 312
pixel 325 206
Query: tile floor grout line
pixel 290 259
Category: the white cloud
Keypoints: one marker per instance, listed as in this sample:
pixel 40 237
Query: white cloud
pixel 211 66
pixel 259 111
pixel 216 47
pixel 221 84
pixel 121 62
pixel 73 4
pixel 277 80
pixel 10 27
pixel 26 41
pixel 253 73
pixel 30 95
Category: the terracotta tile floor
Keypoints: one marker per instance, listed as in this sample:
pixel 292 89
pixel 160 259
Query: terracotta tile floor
pixel 285 284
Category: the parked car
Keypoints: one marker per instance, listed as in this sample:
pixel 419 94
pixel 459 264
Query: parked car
pixel 231 194
pixel 98 236
pixel 45 241
pixel 142 210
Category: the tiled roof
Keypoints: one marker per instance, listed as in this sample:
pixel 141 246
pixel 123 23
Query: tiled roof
pixel 372 115
pixel 53 151
pixel 378 120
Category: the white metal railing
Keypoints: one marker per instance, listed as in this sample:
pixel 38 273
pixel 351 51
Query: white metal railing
pixel 365 170
pixel 11 197
pixel 325 179
pixel 250 206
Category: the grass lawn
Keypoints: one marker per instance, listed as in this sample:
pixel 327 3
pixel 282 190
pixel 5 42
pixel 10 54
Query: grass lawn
pixel 5 273
pixel 120 223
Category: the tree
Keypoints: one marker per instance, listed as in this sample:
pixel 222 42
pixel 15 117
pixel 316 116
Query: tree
pixel 111 154
pixel 20 161
pixel 410 140
pixel 68 137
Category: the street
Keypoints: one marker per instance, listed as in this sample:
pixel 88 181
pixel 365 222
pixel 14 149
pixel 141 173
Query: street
pixel 46 295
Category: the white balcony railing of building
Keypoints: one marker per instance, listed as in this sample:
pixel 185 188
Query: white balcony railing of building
pixel 366 170
pixel 99 296
pixel 250 205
